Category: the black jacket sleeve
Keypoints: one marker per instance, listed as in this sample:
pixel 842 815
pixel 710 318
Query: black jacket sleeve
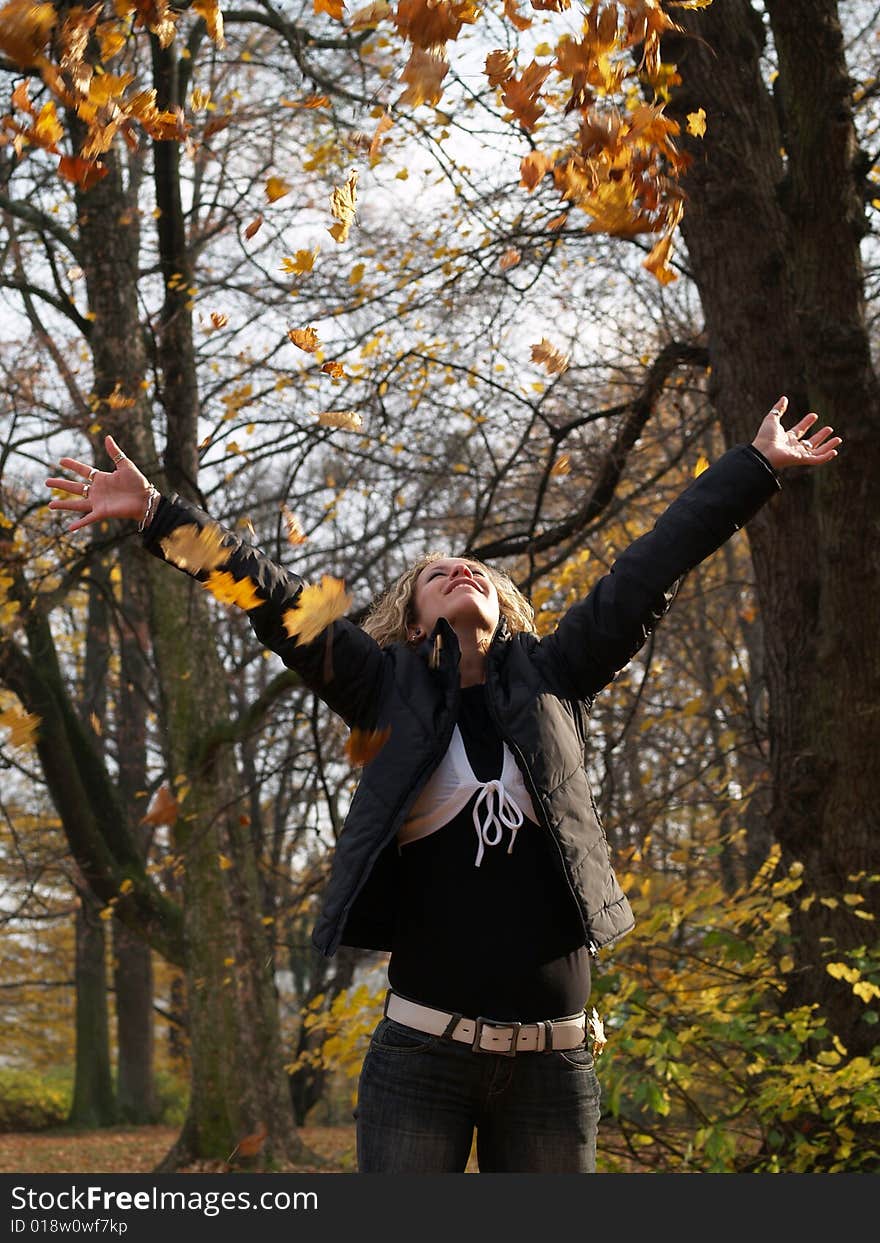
pixel 343 665
pixel 599 635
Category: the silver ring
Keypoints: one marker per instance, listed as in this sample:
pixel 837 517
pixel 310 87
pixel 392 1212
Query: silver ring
pixel 86 489
pixel 808 444
pixel 119 459
pixel 92 473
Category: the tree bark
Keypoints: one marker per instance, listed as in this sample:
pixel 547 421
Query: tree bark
pixel 93 1098
pixel 773 225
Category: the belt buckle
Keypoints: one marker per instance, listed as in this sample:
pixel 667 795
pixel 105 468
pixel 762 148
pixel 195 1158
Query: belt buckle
pixel 481 1022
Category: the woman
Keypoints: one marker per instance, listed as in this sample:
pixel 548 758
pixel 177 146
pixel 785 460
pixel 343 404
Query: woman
pixel 473 850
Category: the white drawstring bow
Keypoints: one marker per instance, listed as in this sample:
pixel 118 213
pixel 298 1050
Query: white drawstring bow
pixel 500 812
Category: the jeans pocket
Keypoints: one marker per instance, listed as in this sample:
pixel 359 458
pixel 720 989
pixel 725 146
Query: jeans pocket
pixel 582 1057
pixel 393 1037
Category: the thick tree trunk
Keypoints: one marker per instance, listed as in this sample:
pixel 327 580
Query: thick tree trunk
pixel 773 241
pixel 93 1100
pixel 133 981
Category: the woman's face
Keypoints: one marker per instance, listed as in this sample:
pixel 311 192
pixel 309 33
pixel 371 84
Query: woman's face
pixel 459 590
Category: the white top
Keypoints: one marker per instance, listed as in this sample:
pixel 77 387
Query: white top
pixel 501 804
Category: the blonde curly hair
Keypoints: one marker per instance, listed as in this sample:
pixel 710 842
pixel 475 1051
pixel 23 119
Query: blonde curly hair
pixel 391 615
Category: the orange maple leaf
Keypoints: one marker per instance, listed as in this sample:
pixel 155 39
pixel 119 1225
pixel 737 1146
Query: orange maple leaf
pixel 533 168
pixel 549 357
pixel 499 67
pixel 513 15
pixel 521 95
pixel 364 745
pixel 293 527
pixel 305 338
pixel 333 8
pixel 432 23
pixel 509 259
pixel 84 173
pixel 334 369
pixel 317 607
pixel 164 808
pixel 253 227
pixel 423 74
pixel 24 30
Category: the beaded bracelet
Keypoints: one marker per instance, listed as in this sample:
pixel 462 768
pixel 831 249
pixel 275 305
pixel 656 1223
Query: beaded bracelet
pixel 148 512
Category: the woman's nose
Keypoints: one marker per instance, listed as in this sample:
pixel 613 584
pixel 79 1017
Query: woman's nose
pixel 460 571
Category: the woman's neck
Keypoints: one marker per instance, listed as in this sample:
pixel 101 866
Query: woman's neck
pixel 474 646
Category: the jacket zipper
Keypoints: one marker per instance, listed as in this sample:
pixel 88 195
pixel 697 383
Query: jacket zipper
pixel 425 770
pixel 539 806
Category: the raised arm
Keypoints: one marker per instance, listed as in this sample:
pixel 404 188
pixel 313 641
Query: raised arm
pixel 599 635
pixel 343 664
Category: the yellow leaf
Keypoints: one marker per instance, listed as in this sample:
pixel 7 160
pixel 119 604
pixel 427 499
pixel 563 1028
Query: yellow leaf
pixel 193 550
pixel 702 464
pixel 303 261
pixel 228 590
pixel 562 465
pixel 345 420
pixel 210 11
pixel 225 862
pixel 276 188
pixel 342 207
pixel 127 885
pixel 357 274
pixel 696 123
pixel 295 533
pixel 317 607
pixel 22 726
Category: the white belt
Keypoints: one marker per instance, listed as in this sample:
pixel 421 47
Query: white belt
pixel 486 1035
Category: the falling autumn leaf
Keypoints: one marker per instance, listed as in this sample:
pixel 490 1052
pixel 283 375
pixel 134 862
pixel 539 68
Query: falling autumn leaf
pixel 293 527
pixel 369 15
pixel 229 590
pixel 317 607
pixel 521 95
pixel 696 123
pixel 164 808
pixel 253 227
pixel 345 420
pixel 499 67
pixel 303 261
pixel 82 172
pixel 342 207
pixel 333 8
pixel 548 356
pixel 209 11
pixel 424 73
pixel 225 862
pixel 305 338
pixel 509 259
pixel 364 745
pixel 22 726
pixel 218 319
pixel 334 369
pixel 252 1144
pixel 24 30
pixel 276 188
pixel 562 465
pixel 310 101
pixel 385 124
pixel 193 549
pixel 533 168
pixel 513 15
pixel 702 464
pixel 657 262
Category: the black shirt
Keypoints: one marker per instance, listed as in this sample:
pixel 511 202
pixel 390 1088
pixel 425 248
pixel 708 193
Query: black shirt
pixel 503 940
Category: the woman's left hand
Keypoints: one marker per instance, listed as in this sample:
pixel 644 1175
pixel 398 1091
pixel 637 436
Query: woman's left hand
pixel 794 447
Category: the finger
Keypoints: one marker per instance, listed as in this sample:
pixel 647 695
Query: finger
pixel 817 438
pixel 71 463
pixel 65 485
pixel 113 449
pixel 83 522
pixel 780 406
pixel 78 505
pixel 801 428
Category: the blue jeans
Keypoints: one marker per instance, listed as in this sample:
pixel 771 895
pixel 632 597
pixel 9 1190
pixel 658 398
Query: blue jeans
pixel 420 1097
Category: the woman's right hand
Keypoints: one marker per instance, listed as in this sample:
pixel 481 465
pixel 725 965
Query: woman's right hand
pixel 98 494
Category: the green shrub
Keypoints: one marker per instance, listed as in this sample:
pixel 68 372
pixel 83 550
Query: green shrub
pixel 172 1098
pixel 33 1101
